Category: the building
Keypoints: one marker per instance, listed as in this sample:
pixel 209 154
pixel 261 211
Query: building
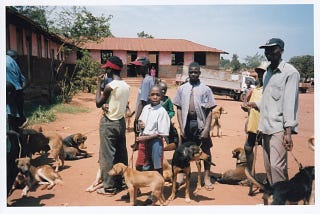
pixel 165 54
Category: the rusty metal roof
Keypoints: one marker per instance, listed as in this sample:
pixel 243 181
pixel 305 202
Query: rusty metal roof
pixel 147 44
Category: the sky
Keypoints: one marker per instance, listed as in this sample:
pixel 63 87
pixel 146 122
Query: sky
pixel 236 29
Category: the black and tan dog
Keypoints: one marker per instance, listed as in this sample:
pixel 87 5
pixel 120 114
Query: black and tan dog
pixel 29 176
pixel 237 175
pixel 135 179
pixel 216 121
pixel 73 146
pixel 287 192
pixel 183 155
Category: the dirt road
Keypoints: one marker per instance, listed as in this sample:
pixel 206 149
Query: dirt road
pixel 78 175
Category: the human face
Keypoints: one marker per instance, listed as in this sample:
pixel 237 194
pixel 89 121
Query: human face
pixel 273 54
pixel 194 73
pixel 155 96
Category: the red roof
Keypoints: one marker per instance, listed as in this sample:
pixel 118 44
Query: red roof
pixel 146 44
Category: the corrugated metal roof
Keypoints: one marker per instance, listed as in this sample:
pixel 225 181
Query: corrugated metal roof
pixel 146 44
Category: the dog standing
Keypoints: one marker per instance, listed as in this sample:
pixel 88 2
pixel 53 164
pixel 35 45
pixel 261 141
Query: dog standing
pixel 237 175
pixel 287 192
pixel 183 155
pixel 216 121
pixel 135 179
pixel 30 176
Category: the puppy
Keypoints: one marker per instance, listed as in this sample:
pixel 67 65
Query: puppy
pixel 167 171
pixel 128 116
pixel 71 153
pixel 30 176
pixel 97 183
pixel 75 140
pixel 135 179
pixel 56 148
pixel 216 122
pixel 182 156
pixel 237 175
pixel 287 192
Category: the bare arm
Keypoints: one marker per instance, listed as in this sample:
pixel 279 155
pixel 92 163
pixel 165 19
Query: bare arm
pixel 101 98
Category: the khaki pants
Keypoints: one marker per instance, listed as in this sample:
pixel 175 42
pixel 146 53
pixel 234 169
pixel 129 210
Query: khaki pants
pixel 275 157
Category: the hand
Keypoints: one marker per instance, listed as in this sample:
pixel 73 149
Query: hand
pixel 287 142
pixel 100 78
pixel 204 134
pixel 182 134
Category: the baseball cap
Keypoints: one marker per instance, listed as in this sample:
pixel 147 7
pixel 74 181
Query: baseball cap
pixel 262 67
pixel 114 63
pixel 141 61
pixel 273 42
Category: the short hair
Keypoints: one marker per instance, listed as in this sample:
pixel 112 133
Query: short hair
pixel 194 64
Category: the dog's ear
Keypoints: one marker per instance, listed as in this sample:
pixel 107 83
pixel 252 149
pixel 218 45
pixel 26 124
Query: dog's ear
pixel 17 160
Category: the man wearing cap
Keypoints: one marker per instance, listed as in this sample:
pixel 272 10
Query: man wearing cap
pixel 112 125
pixel 278 110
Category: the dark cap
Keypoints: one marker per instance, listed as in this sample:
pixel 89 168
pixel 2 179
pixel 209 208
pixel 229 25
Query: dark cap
pixel 141 61
pixel 273 42
pixel 114 63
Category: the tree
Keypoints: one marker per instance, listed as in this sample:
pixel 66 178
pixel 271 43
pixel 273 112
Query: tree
pixel 144 35
pixel 252 62
pixel 224 63
pixel 235 64
pixel 304 64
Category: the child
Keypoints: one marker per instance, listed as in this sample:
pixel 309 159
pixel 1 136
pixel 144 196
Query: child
pixel 173 139
pixel 154 122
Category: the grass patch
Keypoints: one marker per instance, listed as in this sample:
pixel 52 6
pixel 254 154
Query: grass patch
pixel 47 113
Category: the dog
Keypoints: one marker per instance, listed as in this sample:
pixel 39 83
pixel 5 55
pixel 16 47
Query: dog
pixel 292 191
pixel 182 156
pixel 216 121
pixel 29 176
pixel 135 179
pixel 97 183
pixel 75 140
pixel 37 140
pixel 73 145
pixel 237 175
pixel 128 116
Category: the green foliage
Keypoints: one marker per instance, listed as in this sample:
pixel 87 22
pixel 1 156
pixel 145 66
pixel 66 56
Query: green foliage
pixel 304 64
pixel 144 35
pixel 47 113
pixel 235 64
pixel 252 62
pixel 224 63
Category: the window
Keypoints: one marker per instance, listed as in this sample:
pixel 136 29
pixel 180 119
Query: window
pixel 177 58
pixel 19 41
pixel 105 54
pixel 39 45
pixel 200 57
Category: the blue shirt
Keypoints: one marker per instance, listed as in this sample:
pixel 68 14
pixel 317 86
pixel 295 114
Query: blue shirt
pixel 145 87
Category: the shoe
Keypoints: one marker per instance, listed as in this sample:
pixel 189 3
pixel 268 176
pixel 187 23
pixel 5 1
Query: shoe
pixel 209 187
pixel 107 192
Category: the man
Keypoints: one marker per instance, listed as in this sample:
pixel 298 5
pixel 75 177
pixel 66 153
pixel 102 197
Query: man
pixel 195 102
pixel 112 125
pixel 278 110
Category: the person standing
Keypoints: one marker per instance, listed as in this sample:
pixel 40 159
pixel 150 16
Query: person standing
pixel 112 125
pixel 194 102
pixel 278 111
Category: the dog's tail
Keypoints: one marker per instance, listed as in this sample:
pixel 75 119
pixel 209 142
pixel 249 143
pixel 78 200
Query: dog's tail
pixel 253 180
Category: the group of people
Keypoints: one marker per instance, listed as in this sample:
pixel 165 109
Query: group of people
pixel 272 107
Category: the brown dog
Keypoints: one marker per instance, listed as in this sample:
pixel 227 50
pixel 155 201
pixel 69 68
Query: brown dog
pixel 30 176
pixel 182 156
pixel 135 179
pixel 56 148
pixel 128 116
pixel 237 175
pixel 216 121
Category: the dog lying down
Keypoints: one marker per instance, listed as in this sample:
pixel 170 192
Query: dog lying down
pixel 287 192
pixel 135 179
pixel 29 176
pixel 237 175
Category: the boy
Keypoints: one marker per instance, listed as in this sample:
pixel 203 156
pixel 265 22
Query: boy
pixel 172 140
pixel 154 122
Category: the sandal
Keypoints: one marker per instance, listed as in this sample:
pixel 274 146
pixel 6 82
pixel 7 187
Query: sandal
pixel 107 192
pixel 209 187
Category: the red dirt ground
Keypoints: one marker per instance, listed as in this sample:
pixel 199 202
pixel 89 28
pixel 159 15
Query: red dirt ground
pixel 78 175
